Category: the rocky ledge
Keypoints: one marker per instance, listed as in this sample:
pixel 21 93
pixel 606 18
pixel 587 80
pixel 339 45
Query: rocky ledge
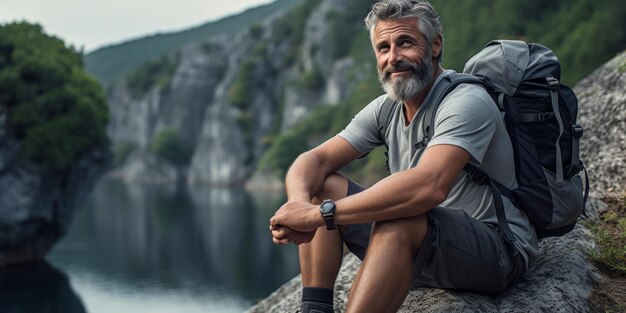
pixel 561 280
pixel 36 205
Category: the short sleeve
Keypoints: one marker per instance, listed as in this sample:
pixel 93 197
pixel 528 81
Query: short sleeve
pixel 362 131
pixel 467 119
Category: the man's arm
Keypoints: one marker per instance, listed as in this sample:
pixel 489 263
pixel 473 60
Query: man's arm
pixel 404 194
pixel 407 193
pixel 305 178
pixel 306 175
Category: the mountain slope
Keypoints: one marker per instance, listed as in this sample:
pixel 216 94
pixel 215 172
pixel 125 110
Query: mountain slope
pixel 109 64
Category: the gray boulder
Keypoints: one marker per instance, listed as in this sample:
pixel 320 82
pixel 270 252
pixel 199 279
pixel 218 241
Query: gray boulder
pixel 602 112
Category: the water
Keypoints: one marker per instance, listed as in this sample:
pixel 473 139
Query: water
pixel 147 248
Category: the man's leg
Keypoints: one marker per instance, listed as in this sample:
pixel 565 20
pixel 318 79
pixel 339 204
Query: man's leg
pixel 447 248
pixel 385 276
pixel 320 260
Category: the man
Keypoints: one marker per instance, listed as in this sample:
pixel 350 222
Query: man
pixel 427 224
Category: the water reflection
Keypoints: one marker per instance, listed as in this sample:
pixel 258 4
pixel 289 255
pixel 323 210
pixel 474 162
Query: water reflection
pixel 37 288
pixel 186 242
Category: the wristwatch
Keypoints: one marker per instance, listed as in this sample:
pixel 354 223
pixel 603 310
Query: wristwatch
pixel 327 208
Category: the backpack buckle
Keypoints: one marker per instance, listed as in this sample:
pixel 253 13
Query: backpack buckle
pixel 553 82
pixel 423 143
pixel 577 130
pixel 476 175
pixel 546 116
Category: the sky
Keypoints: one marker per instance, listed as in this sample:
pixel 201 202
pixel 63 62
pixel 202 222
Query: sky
pixel 94 23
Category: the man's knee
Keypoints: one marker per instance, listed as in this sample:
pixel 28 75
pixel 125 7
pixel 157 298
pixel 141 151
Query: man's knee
pixel 335 187
pixel 403 232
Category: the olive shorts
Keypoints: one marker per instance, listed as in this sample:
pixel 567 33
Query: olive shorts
pixel 458 252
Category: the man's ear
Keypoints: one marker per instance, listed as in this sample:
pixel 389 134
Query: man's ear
pixel 436 47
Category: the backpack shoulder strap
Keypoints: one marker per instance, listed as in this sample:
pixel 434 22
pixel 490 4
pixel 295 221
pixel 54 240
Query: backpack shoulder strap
pixel 440 91
pixel 384 117
pixel 498 191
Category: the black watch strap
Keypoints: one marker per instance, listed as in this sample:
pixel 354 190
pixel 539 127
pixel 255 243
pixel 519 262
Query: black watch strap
pixel 327 209
pixel 330 222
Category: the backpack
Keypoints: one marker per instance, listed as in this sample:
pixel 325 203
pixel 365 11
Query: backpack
pixel 540 118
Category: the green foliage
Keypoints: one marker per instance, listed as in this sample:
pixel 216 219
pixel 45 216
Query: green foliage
pixel 610 234
pixel 109 64
pixel 622 67
pixel 260 50
pixel 246 123
pixel 343 27
pixel 250 75
pixel 54 107
pixel 169 145
pixel 157 72
pixel 583 33
pixel 239 91
pixel 310 80
pixel 361 50
pixel 289 145
pixel 256 31
pixel 290 27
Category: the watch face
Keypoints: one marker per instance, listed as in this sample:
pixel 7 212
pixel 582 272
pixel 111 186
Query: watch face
pixel 327 207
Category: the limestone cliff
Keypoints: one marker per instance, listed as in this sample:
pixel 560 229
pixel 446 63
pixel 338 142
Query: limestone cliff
pixel 36 205
pixel 228 95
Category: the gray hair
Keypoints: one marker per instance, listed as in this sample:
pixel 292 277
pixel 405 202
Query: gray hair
pixel 428 21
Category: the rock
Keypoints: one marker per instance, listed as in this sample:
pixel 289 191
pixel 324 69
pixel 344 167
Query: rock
pixel 36 206
pixel 560 281
pixel 37 287
pixel 602 113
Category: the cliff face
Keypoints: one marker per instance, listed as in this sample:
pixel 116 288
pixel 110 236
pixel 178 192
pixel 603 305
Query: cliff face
pixel 37 205
pixel 228 95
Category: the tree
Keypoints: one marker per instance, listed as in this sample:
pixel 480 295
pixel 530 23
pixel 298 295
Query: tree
pixel 53 106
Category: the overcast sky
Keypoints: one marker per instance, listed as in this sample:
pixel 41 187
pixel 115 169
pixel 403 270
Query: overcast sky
pixel 94 23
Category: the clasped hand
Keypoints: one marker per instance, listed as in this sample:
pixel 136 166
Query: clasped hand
pixel 296 222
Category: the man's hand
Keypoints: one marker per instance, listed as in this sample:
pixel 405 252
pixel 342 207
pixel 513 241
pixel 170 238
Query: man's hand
pixel 296 222
pixel 300 216
pixel 284 235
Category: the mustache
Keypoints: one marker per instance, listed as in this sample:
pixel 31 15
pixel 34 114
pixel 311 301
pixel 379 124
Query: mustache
pixel 399 67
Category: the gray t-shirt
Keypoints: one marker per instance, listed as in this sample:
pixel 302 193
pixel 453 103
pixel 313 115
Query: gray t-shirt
pixel 467 118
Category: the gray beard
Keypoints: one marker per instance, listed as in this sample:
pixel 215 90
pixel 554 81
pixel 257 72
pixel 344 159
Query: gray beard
pixel 408 86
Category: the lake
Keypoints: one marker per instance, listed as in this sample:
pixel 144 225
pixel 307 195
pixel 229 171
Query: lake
pixel 159 248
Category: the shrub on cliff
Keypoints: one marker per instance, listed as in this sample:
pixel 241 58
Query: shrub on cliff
pixel 169 145
pixel 156 72
pixel 54 107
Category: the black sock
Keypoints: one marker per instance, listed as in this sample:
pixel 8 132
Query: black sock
pixel 317 300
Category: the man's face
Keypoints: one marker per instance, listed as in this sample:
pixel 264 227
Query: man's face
pixel 404 58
